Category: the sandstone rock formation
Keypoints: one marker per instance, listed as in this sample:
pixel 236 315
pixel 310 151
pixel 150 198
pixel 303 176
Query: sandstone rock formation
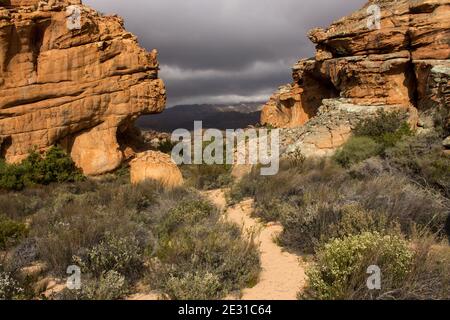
pixel 157 166
pixel 331 127
pixel 403 64
pixel 79 86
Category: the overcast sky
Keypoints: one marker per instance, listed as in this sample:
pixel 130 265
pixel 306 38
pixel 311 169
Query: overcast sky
pixel 226 50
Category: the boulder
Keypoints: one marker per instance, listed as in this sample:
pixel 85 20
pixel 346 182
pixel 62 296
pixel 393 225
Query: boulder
pixel 157 166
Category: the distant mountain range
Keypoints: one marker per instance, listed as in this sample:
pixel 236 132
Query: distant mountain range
pixel 219 116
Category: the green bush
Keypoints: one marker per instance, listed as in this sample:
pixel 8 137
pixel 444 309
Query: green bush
pixel 123 255
pixel 185 214
pixel 12 176
pixel 194 286
pixel 110 285
pixel 274 194
pixel 384 127
pixel 54 166
pixel 341 267
pixel 372 137
pixel 194 243
pixel 11 232
pixel 421 159
pixel 356 150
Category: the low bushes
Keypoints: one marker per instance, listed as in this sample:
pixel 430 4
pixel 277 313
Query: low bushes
pixel 120 234
pixel 373 137
pixel 9 287
pixel 11 232
pixel 318 224
pixel 341 267
pixel 421 159
pixel 418 271
pixel 109 285
pixel 318 201
pixel 194 286
pixel 200 257
pixel 386 128
pixel 207 177
pixel 122 255
pixel 54 166
pixel 357 149
pixel 81 225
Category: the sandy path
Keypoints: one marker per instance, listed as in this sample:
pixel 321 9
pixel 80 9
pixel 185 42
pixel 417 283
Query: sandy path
pixel 282 274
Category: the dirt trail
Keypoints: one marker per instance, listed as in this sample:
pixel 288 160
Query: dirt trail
pixel 283 273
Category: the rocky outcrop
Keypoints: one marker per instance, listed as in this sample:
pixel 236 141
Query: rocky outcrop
pixel 156 166
pixel 73 77
pixel 331 127
pixel 295 104
pixel 403 64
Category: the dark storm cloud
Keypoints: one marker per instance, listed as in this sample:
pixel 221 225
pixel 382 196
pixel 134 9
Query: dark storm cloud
pixel 225 50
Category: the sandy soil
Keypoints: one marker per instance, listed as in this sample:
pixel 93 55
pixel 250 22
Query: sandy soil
pixel 283 273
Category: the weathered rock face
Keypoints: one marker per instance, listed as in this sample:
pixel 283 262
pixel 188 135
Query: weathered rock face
pixel 156 166
pixel 403 64
pixel 292 105
pixel 80 86
pixel 332 126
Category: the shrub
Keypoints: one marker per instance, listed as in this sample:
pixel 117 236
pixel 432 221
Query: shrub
pixel 372 137
pixel 422 160
pixel 356 150
pixel 187 213
pixel 193 243
pixel 341 267
pixel 110 286
pixel 22 255
pixel 123 255
pixel 74 223
pixel 194 286
pixel 55 166
pixel 11 232
pixel 320 223
pixel 385 127
pixel 9 287
pixel 273 194
pixel 310 202
pixel 91 223
pixel 430 273
pixel 207 177
pixel 12 176
pixel 18 205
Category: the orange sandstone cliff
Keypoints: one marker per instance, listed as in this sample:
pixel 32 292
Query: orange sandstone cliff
pixel 80 86
pixel 403 64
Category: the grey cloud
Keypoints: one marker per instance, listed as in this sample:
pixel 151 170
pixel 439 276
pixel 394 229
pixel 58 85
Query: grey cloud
pixel 211 49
